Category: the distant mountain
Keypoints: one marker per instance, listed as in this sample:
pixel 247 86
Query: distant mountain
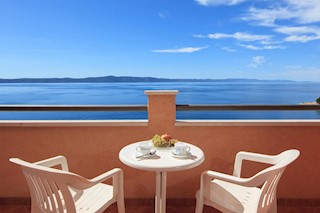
pixel 106 79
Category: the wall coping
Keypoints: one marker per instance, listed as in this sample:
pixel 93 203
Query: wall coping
pixel 311 122
pixel 57 123
pixel 161 92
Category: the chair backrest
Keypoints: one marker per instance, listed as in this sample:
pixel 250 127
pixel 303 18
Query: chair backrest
pixel 49 187
pixel 270 178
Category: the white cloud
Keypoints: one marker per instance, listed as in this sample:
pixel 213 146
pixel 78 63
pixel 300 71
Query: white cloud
pixel 181 50
pixel 265 47
pixel 200 36
pixel 301 11
pixel 218 36
pixel 301 38
pixel 302 15
pixel 306 11
pixel 250 46
pixel 229 49
pixel 266 17
pixel 219 2
pixel 265 41
pixel 250 37
pixel 298 30
pixel 257 61
pixel 299 34
pixel 164 14
pixel 241 36
pixel 292 67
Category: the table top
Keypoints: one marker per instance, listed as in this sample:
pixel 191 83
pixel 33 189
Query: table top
pixel 163 161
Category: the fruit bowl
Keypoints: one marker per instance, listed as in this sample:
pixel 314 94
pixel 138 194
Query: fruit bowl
pixel 163 140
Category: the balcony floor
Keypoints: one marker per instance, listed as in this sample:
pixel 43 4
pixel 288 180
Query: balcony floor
pixel 170 209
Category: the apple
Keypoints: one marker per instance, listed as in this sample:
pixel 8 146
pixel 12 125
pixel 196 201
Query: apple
pixel 166 137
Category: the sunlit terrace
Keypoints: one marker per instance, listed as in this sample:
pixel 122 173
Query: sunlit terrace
pixel 92 147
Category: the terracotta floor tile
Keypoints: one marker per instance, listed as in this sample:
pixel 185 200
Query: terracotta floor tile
pixel 295 209
pixel 14 209
pixel 170 209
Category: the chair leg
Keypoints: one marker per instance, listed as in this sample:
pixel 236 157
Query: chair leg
pixel 120 196
pixel 120 201
pixel 200 203
pixel 120 204
pixel 273 207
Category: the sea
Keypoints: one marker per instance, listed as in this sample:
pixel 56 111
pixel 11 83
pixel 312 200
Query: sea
pixel 220 92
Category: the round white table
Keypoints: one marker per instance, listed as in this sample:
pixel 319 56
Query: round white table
pixel 161 163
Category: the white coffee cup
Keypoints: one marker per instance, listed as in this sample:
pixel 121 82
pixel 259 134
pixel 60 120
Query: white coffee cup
pixel 144 147
pixel 181 148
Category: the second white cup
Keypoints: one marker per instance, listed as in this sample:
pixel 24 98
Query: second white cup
pixel 144 148
pixel 181 148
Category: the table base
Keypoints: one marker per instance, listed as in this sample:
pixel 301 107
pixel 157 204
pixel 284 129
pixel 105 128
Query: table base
pixel 161 190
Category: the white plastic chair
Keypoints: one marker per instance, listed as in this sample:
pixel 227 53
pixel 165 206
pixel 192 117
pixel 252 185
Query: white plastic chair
pixel 55 190
pixel 229 193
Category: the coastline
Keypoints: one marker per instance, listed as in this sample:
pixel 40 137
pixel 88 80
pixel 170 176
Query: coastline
pixel 309 103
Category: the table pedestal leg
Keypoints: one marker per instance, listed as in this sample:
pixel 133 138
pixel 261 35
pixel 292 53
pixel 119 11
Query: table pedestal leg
pixel 161 190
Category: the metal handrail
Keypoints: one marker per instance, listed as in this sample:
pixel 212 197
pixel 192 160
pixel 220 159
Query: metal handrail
pixel 179 107
pixel 73 108
pixel 202 107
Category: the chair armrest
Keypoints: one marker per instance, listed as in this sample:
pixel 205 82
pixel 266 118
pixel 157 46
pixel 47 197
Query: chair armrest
pixel 58 160
pixel 249 182
pixel 208 176
pixel 225 177
pixel 107 175
pixel 255 157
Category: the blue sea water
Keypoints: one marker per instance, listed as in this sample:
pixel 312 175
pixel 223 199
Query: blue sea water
pixel 241 92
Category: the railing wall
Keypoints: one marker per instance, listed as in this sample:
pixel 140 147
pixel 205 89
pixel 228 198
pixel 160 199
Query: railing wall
pixel 92 147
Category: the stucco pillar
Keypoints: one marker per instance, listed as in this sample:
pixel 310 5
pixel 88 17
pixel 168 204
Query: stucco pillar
pixel 161 109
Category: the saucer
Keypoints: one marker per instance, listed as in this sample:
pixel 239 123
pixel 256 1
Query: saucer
pixel 177 155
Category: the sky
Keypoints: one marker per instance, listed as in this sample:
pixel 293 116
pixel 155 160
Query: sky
pixel 217 39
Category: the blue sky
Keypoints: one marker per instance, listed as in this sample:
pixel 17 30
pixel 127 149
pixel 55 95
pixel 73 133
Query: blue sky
pixel 262 39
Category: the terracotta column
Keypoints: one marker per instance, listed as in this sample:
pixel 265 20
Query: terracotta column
pixel 161 109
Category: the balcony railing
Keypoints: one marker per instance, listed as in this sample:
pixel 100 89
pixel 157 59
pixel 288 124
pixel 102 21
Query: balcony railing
pixel 220 140
pixel 200 107
pixel 179 107
pixel 48 108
